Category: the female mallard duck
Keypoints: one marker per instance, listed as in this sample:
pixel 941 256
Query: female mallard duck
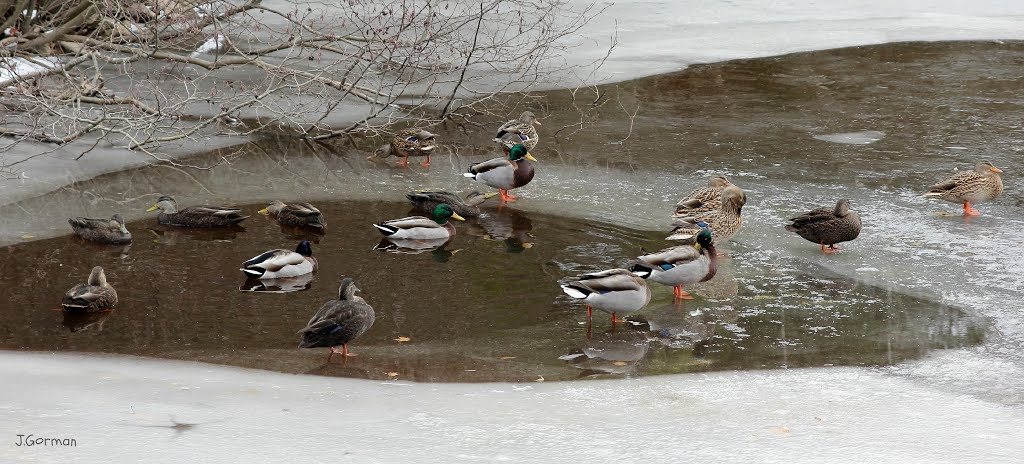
pixel 338 322
pixel 981 184
pixel 277 264
pixel 827 226
pixel 684 264
pixel 468 207
pixel 94 295
pixel 296 215
pixel 615 291
pixel 518 131
pixel 110 231
pixel 406 143
pixel 421 228
pixel 195 216
pixel 505 174
pixel 724 221
pixel 702 199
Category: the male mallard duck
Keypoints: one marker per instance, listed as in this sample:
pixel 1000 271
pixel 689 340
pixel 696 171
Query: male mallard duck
pixel 94 295
pixel 724 221
pixel 615 291
pixel 518 131
pixel 827 226
pixel 296 214
pixel 277 264
pixel 195 216
pixel 339 321
pixel 505 174
pixel 406 143
pixel 110 231
pixel 981 184
pixel 702 199
pixel 468 207
pixel 684 264
pixel 421 228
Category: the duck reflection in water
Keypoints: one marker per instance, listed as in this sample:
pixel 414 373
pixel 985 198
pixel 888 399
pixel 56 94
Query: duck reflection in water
pixel 283 285
pixel 77 322
pixel 509 225
pixel 612 352
pixel 167 235
pixel 679 326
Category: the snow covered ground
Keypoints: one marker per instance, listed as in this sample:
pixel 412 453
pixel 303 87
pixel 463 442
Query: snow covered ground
pixel 123 409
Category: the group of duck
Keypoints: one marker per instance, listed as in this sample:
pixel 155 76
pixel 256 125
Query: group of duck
pixel 343 319
pixel 707 215
pixel 713 213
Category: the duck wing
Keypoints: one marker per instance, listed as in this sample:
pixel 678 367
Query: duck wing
pixel 490 165
pixel 671 256
pixel 273 261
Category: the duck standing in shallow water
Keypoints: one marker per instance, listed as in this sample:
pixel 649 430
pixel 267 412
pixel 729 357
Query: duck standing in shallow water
pixel 338 322
pixel 679 265
pixel 724 222
pixel 296 215
pixel 615 291
pixel 110 231
pixel 468 207
pixel 406 143
pixel 94 295
pixel 279 264
pixel 195 216
pixel 702 199
pixel 518 131
pixel 505 174
pixel 828 226
pixel 981 184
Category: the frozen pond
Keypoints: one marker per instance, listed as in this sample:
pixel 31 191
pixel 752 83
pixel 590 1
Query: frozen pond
pixel 935 299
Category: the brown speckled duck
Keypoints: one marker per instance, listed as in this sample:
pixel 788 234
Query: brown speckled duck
pixel 195 216
pixel 981 184
pixel 426 202
pixel 702 199
pixel 518 131
pixel 406 143
pixel 296 215
pixel 724 222
pixel 827 226
pixel 110 231
pixel 94 295
pixel 339 321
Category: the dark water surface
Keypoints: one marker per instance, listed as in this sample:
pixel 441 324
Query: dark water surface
pixel 487 307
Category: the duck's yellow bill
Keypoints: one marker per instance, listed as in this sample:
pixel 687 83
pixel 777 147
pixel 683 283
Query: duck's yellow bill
pixel 124 230
pixel 152 208
pixel 995 169
pixel 530 157
pixel 489 195
pixel 263 211
pixel 457 217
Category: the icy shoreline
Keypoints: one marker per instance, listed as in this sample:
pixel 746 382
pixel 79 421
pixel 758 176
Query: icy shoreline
pixel 124 409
